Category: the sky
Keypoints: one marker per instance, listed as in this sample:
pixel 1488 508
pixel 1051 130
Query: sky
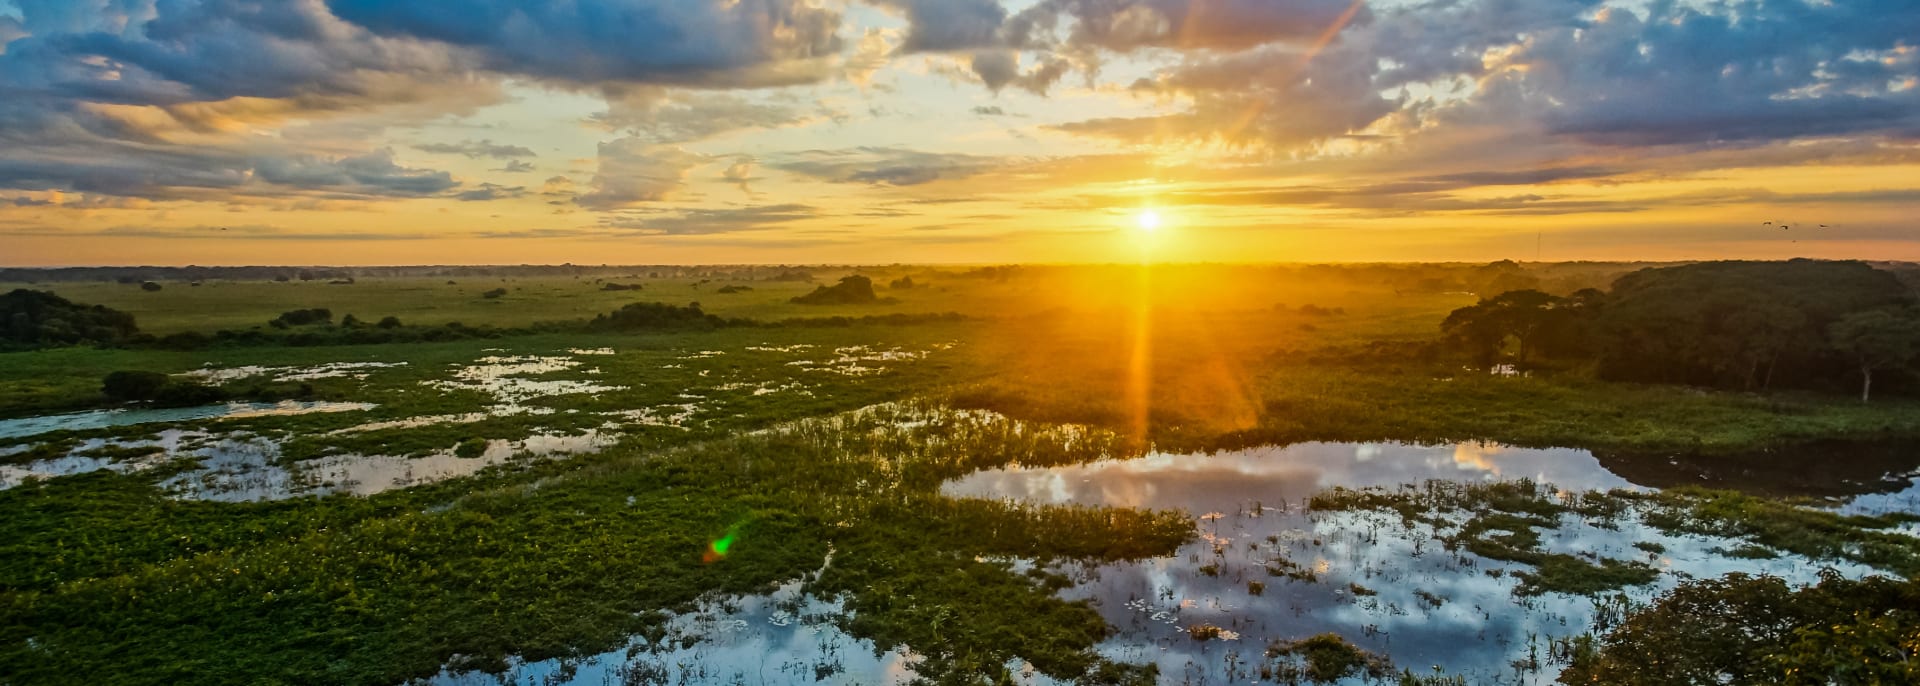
pixel 366 132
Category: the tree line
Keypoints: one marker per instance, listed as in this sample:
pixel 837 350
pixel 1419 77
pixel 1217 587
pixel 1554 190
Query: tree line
pixel 1802 324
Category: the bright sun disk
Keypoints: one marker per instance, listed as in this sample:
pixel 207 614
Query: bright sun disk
pixel 1148 220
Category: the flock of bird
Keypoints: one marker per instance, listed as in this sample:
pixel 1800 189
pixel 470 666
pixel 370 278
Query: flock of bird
pixel 1785 226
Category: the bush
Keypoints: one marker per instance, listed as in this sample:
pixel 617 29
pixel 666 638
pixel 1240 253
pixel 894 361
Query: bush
pixel 149 286
pixel 318 315
pixel 658 316
pixel 134 385
pixel 494 294
pixel 852 290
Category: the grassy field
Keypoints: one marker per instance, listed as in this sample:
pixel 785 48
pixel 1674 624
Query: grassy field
pixel 110 578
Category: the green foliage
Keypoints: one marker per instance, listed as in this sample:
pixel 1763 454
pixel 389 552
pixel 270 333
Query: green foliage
pixel 852 290
pixel 306 317
pixel 1323 659
pixel 1877 339
pixel 1757 630
pixel 30 319
pixel 1534 320
pixel 644 316
pixel 160 389
pixel 134 385
pixel 1812 532
pixel 1737 324
pixel 378 590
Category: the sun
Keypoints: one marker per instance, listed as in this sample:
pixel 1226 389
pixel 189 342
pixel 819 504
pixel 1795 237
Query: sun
pixel 1148 220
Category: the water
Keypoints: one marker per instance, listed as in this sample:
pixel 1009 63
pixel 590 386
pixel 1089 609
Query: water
pixel 243 467
pixel 1249 510
pixel 103 419
pixel 245 470
pixel 785 637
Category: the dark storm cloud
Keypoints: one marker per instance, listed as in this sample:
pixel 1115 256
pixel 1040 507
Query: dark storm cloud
pixel 590 41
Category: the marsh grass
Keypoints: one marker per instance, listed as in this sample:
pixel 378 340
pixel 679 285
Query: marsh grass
pixel 560 561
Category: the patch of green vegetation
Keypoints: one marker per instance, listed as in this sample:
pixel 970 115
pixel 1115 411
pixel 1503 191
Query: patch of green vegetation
pixel 1786 526
pixel 470 448
pixel 1283 567
pixel 1322 659
pixel 491 568
pixel 1740 629
pixel 1561 573
pixel 1505 524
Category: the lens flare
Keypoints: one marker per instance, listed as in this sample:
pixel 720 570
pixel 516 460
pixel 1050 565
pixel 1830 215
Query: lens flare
pixel 718 549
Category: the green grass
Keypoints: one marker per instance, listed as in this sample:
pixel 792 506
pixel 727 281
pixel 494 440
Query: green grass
pixel 569 557
pixel 377 590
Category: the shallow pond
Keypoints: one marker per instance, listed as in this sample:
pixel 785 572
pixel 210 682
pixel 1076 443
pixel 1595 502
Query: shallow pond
pixel 1385 584
pixel 103 419
pixel 784 637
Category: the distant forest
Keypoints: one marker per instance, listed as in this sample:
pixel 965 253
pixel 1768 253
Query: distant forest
pixel 1736 325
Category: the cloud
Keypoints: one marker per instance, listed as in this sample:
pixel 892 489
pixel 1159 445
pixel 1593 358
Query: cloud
pixel 945 25
pixel 740 174
pixel 491 191
pixel 635 171
pixel 516 167
pixel 1567 71
pixel 10 29
pixel 885 166
pixel 373 174
pixel 1001 68
pixel 1683 76
pixel 737 43
pixel 1128 25
pixel 711 221
pixel 477 149
pixel 680 117
pixel 246 232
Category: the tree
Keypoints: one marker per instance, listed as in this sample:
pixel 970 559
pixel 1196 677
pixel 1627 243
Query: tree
pixel 1735 324
pixel 38 318
pixel 1483 329
pixel 851 290
pixel 1877 339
